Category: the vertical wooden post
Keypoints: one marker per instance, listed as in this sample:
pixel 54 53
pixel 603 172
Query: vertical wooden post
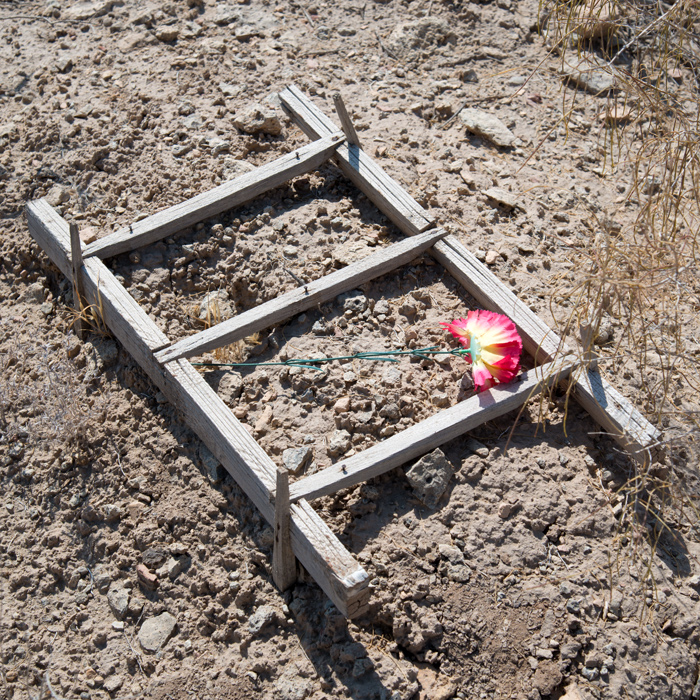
pixel 587 340
pixel 284 563
pixel 78 291
pixel 345 121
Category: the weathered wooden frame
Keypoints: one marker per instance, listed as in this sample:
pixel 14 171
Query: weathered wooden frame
pixel 299 531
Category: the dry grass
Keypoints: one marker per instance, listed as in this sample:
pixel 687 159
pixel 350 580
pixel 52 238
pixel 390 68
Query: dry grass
pixel 44 400
pixel 234 352
pixel 634 289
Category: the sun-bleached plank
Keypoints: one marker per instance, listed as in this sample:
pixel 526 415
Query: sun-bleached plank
pixel 612 411
pixel 302 298
pixel 344 581
pixel 214 201
pixel 432 432
pixel 607 406
pixel 364 172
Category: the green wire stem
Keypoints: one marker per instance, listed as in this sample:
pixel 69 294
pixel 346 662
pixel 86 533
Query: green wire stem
pixel 378 356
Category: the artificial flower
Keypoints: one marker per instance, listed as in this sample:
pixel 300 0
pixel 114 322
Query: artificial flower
pixel 494 346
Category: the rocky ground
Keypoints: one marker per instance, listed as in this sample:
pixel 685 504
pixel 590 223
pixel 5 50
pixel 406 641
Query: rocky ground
pixel 130 565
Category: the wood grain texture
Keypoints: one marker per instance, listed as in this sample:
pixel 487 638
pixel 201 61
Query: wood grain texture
pixel 76 251
pixel 302 298
pixel 345 121
pixel 432 432
pixel 357 166
pixel 334 569
pixel 221 198
pixel 606 405
pixel 284 563
pixel 539 340
pixel 615 414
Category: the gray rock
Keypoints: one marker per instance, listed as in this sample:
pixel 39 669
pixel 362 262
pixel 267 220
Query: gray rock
pixel 102 579
pixel 231 89
pixel 454 566
pixel 225 14
pixel 111 513
pixel 588 74
pixel 176 565
pixel 391 377
pixel 86 10
pixel 258 118
pixel 339 443
pixel 33 294
pixel 118 599
pixel 382 307
pixel 212 467
pixel 569 650
pixel 230 386
pixel 215 307
pixel 153 557
pixel 420 35
pixel 487 126
pixel 354 301
pixel 113 683
pixel 156 631
pixel 296 458
pixel 429 477
pixel 265 615
pixel 233 168
pixel 505 199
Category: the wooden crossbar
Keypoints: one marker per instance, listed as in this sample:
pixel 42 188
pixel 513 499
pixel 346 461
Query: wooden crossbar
pixel 357 166
pixel 343 580
pixel 221 198
pixel 432 432
pixel 607 406
pixel 302 298
pixel 598 397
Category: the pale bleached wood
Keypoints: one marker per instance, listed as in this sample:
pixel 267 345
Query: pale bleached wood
pixel 78 291
pixel 334 569
pixel 221 198
pixel 345 121
pixel 302 298
pixel 352 583
pixel 284 563
pixel 539 340
pixel 615 414
pixel 432 432
pixel 607 406
pixel 129 322
pixel 362 170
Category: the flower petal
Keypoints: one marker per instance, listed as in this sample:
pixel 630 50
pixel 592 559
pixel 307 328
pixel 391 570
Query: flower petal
pixel 458 328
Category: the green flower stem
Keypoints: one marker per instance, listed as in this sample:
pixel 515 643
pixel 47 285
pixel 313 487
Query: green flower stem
pixel 379 356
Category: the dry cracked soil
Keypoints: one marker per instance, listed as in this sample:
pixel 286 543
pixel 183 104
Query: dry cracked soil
pixel 131 565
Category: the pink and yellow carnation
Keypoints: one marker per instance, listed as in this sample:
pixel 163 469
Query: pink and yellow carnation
pixel 494 346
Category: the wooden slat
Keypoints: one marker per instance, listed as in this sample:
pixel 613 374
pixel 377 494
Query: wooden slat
pixel 76 250
pixel 350 584
pixel 302 298
pixel 129 322
pixel 364 172
pixel 333 568
pixel 539 340
pixel 221 198
pixel 607 406
pixel 345 121
pixel 615 414
pixel 431 433
pixel 284 563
